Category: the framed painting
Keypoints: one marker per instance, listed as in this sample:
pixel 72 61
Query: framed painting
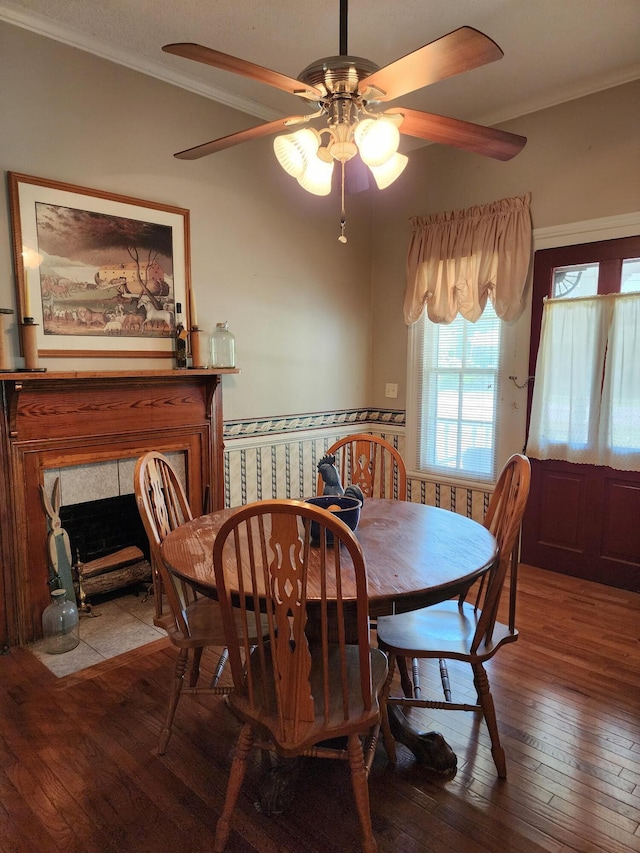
pixel 100 274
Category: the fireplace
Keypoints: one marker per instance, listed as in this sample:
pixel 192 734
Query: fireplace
pixel 109 547
pixel 59 420
pixel 101 528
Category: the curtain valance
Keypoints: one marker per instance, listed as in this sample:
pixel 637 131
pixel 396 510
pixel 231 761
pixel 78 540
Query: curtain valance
pixel 457 260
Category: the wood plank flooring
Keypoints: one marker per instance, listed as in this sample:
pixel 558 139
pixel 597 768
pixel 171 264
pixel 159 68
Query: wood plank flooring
pixel 79 770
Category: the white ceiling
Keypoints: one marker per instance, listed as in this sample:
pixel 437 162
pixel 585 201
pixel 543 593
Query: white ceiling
pixel 554 50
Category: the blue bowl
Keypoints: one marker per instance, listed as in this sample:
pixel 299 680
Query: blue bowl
pixel 348 510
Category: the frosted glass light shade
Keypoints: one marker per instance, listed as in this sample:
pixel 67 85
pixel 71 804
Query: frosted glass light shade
pixel 316 177
pixel 377 140
pixel 387 173
pixel 294 150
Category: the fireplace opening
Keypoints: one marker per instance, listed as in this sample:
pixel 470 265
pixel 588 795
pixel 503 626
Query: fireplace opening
pixel 109 546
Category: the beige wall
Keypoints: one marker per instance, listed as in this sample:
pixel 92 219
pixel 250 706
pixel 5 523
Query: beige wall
pixel 264 254
pixel 318 324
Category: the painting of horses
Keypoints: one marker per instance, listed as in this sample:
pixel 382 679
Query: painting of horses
pixel 99 273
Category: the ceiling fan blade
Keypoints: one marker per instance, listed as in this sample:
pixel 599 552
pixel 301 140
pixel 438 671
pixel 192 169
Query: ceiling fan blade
pixel 215 58
pixel 487 141
pixel 236 138
pixel 461 50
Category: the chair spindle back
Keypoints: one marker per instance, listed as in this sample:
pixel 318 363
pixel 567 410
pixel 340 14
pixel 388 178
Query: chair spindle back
pixel 315 598
pixel 371 463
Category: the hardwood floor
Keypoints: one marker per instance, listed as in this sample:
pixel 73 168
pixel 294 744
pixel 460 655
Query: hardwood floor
pixel 79 769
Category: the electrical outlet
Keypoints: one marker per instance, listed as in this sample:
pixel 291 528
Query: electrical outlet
pixel 391 390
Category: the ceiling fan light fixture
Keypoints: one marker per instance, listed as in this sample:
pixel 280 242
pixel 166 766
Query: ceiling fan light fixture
pixel 386 174
pixel 377 140
pixel 343 151
pixel 294 150
pixel 347 91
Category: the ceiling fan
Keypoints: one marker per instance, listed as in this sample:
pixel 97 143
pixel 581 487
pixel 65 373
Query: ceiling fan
pixel 350 93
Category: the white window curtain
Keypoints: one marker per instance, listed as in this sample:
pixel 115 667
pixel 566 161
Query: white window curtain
pixel 458 260
pixel 586 398
pixel 620 418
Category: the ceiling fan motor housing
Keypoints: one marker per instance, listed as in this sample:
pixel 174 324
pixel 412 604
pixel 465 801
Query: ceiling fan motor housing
pixel 335 75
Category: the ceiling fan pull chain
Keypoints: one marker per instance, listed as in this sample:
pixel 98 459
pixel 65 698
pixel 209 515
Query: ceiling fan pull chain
pixel 343 216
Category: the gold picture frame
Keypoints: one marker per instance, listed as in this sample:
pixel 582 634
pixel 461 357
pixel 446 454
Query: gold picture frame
pixel 99 273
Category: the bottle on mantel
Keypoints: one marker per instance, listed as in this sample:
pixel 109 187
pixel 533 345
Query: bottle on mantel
pixel 181 336
pixel 223 347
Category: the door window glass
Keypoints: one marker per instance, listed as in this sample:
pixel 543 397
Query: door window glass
pixel 575 281
pixel 630 281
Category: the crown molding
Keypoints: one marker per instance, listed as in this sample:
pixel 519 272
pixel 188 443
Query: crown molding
pixel 44 26
pixel 587 231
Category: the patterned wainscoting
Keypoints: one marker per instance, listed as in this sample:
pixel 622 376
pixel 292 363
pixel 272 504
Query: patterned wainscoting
pixel 278 457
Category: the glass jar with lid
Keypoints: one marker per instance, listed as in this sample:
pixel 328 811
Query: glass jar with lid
pixel 222 347
pixel 60 624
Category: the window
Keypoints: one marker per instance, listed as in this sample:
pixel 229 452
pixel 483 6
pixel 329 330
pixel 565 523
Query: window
pixel 457 395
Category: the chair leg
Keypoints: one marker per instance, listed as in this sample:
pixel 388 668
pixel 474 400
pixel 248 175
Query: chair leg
pixel 176 687
pixel 485 699
pixel 157 591
pixel 415 671
pixel 236 776
pixel 222 661
pixel 194 675
pixel 387 737
pixel 359 780
pixel 444 678
pixel 405 681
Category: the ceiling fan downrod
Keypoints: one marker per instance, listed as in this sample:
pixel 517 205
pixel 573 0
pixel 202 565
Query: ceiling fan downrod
pixel 343 27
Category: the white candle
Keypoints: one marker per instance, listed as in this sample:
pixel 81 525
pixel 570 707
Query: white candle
pixel 27 296
pixel 192 298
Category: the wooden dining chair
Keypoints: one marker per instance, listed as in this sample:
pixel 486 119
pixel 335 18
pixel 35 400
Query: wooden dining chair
pixel 460 630
pixel 374 465
pixel 314 677
pixel 192 622
pixel 371 463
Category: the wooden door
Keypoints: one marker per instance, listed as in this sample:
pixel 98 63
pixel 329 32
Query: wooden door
pixel 581 520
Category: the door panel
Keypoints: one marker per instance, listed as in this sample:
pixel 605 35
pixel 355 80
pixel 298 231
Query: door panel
pixel 621 540
pixel 582 520
pixel 562 508
pixel 556 510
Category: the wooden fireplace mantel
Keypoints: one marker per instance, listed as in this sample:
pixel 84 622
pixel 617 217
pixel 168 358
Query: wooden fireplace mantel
pixel 61 418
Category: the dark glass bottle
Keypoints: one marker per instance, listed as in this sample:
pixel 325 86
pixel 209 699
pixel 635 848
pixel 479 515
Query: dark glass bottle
pixel 180 349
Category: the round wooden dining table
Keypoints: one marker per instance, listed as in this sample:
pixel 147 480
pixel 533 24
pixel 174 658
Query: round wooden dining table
pixel 415 556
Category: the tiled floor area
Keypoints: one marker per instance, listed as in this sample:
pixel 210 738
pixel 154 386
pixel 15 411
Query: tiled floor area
pixel 115 626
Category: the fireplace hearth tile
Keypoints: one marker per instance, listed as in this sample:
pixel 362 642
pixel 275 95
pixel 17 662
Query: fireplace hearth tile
pixel 81 657
pixel 127 635
pixel 142 610
pixel 124 623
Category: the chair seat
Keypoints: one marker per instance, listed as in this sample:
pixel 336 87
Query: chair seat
pixel 443 630
pixel 264 711
pixel 204 619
